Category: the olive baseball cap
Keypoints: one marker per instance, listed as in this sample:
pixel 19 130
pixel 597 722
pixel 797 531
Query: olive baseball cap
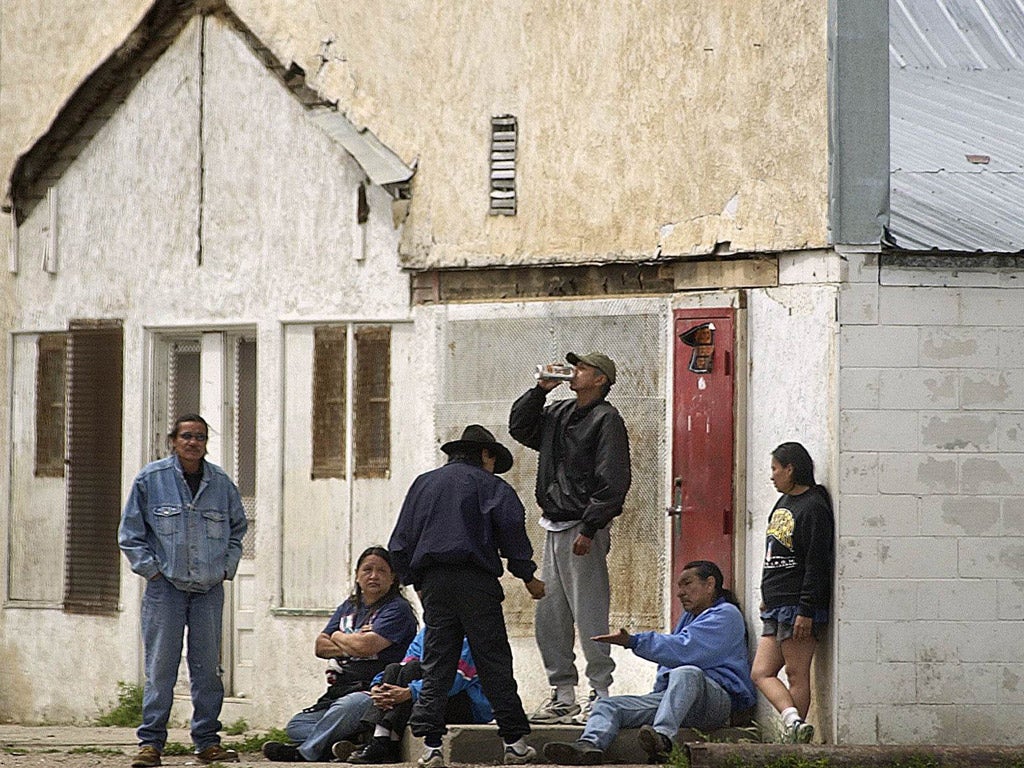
pixel 598 360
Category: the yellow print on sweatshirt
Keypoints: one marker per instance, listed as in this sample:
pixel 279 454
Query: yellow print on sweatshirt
pixel 781 527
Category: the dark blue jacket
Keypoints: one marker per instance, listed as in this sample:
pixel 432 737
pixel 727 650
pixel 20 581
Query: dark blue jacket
pixel 460 514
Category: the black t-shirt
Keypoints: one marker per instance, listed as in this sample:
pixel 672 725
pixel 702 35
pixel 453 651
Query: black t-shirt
pixel 193 479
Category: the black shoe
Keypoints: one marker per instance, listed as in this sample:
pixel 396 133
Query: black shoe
pixel 656 745
pixel 282 753
pixel 575 753
pixel 379 750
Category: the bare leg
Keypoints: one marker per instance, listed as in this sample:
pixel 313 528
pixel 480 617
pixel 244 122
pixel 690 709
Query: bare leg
pixel 795 656
pixel 798 655
pixel 768 661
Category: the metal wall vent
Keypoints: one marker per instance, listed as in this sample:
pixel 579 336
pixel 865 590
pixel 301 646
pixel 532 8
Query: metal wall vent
pixel 504 135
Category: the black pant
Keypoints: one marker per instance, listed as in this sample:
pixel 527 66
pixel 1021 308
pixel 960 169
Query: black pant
pixel 458 710
pixel 465 601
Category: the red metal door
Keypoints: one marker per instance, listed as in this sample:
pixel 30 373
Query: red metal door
pixel 702 440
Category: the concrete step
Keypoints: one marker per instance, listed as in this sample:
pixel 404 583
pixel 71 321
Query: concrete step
pixel 481 743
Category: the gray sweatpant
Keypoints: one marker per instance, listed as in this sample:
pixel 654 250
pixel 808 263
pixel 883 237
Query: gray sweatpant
pixel 577 594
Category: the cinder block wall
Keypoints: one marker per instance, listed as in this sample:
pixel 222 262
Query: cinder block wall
pixel 930 557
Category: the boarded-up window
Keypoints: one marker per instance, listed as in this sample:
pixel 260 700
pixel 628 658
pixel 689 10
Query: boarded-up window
pixel 328 401
pixel 92 575
pixel 371 417
pixel 373 401
pixel 50 367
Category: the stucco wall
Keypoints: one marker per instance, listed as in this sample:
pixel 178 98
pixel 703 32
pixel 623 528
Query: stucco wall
pixel 932 532
pixel 645 128
pixel 279 203
pixel 792 387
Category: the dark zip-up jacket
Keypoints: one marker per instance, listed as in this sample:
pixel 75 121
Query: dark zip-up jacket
pixel 460 514
pixel 583 468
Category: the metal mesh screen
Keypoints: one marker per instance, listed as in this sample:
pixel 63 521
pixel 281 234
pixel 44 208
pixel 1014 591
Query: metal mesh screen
pixel 182 380
pixel 486 362
pixel 245 436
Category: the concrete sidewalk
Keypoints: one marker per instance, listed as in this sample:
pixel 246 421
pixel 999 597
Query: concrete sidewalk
pixel 467 744
pixel 464 744
pixel 69 736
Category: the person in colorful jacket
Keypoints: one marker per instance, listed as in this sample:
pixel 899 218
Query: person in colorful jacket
pixel 398 687
pixel 182 531
pixel 703 675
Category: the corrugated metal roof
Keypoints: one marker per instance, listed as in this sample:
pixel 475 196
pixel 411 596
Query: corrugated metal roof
pixel 956 125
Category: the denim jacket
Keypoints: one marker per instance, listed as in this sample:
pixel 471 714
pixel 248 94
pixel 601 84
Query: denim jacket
pixel 195 543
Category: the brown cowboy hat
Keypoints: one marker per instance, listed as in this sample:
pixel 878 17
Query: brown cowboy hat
pixel 475 436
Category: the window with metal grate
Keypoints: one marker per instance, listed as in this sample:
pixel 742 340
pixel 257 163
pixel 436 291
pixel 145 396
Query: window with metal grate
pixel 92 581
pixel 504 138
pixel 50 388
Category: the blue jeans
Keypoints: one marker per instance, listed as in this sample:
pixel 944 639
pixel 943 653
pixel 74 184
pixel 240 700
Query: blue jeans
pixel 166 611
pixel 692 699
pixel 315 732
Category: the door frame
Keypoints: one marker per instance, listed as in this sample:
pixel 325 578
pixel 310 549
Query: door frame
pixel 734 304
pixel 216 404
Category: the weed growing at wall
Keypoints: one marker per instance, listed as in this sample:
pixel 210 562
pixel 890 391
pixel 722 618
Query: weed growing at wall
pixel 128 710
pixel 255 742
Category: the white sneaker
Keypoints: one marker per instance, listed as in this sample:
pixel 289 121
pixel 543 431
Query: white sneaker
pixel 581 717
pixel 432 757
pixel 555 712
pixel 511 757
pixel 800 733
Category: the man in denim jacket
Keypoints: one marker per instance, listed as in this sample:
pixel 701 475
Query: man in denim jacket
pixel 182 531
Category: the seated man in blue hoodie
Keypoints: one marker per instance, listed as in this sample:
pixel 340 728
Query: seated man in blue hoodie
pixel 703 675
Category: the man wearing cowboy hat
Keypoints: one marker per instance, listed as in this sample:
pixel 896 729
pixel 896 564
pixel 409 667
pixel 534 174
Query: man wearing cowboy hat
pixel 583 475
pixel 456 523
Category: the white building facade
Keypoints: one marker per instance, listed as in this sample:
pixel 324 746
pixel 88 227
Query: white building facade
pixel 217 237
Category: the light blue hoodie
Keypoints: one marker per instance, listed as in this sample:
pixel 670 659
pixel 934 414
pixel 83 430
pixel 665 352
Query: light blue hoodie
pixel 195 543
pixel 714 640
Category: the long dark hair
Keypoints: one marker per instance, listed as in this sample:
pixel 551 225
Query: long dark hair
pixel 708 570
pixel 796 456
pixel 393 591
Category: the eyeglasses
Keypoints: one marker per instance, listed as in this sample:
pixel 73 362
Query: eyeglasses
pixel 197 436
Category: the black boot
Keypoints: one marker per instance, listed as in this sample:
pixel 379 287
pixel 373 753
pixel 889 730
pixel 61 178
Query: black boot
pixel 282 753
pixel 381 749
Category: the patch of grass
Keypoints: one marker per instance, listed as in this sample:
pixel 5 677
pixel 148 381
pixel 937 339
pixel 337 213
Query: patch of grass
pixel 177 748
pixel 237 728
pixel 95 751
pixel 752 734
pixel 128 710
pixel 917 761
pixel 678 758
pixel 787 761
pixel 255 742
